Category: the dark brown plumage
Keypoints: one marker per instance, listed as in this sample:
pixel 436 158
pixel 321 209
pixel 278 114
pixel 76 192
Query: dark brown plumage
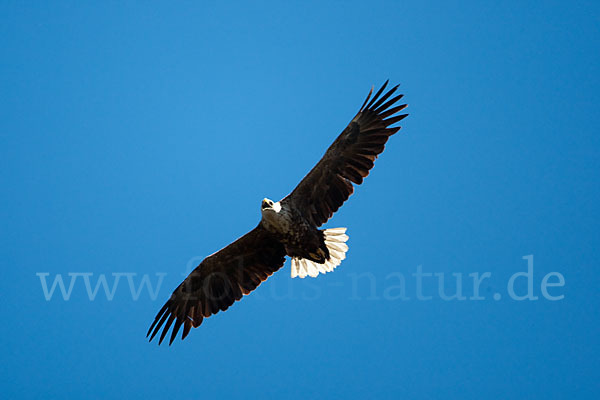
pixel 219 281
pixel 349 159
pixel 236 270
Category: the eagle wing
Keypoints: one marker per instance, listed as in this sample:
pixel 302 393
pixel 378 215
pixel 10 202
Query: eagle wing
pixel 349 159
pixel 220 280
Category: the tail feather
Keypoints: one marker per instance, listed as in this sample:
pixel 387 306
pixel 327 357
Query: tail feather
pixel 335 240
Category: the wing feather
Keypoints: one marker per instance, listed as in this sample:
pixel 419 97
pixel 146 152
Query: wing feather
pixel 349 159
pixel 218 282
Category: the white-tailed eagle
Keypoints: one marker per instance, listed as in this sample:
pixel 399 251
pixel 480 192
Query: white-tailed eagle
pixel 288 227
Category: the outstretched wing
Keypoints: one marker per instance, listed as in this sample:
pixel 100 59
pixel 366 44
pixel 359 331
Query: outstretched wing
pixel 219 281
pixel 349 159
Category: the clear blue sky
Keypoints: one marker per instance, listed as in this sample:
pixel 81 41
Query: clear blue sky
pixel 137 138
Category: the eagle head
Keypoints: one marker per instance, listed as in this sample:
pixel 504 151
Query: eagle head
pixel 270 205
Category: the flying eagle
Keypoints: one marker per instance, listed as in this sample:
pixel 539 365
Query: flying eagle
pixel 288 227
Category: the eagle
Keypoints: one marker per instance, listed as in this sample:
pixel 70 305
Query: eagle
pixel 289 227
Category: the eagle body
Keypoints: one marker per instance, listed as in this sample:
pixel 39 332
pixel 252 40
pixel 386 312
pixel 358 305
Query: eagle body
pixel 299 237
pixel 289 227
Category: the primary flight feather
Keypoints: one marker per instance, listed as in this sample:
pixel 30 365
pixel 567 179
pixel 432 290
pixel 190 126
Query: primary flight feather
pixel 288 227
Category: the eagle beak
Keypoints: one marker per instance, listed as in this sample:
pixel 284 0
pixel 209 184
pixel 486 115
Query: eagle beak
pixel 265 204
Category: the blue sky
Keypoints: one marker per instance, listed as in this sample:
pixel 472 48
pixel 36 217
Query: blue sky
pixel 138 138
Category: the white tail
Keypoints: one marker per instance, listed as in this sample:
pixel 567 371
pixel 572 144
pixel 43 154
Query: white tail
pixel 335 240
